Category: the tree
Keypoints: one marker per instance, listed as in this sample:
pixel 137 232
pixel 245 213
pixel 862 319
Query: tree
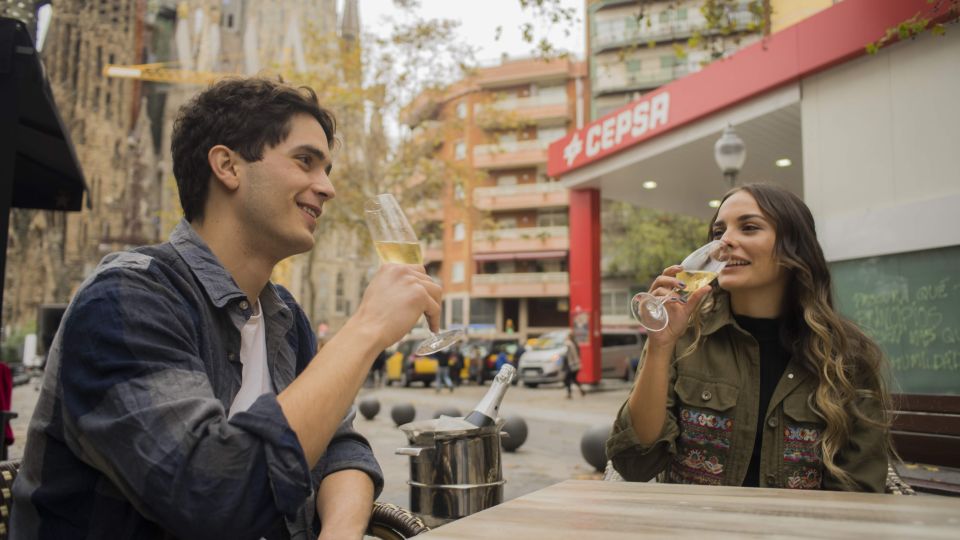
pixel 366 82
pixel 642 241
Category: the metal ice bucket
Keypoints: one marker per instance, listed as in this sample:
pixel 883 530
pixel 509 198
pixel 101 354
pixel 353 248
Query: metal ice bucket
pixel 453 472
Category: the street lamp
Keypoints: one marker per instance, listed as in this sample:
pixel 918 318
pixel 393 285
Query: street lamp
pixel 730 152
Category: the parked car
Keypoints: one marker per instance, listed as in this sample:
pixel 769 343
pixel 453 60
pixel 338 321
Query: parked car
pixel 405 368
pixel 618 349
pixel 543 360
pixel 485 352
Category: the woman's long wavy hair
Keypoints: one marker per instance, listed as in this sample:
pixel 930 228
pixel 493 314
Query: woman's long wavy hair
pixel 849 366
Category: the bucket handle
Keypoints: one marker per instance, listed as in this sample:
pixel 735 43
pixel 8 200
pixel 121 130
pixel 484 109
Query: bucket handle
pixel 414 451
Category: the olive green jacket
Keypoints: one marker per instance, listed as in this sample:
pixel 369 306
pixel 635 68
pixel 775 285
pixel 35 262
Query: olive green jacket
pixel 711 423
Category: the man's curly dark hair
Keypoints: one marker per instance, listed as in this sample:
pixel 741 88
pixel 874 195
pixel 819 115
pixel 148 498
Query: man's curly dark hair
pixel 243 114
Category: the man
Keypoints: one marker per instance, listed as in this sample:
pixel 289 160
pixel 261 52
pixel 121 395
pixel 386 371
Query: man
pixel 181 399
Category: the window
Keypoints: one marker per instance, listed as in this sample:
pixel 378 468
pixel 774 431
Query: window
pixel 483 311
pixel 459 232
pixel 667 62
pixel 460 150
pixel 461 110
pixel 618 340
pixel 665 16
pixel 553 94
pixel 457 272
pixel 340 300
pixel 634 65
pixel 456 311
pixel 508 222
pixel 507 180
pixel 458 192
pixel 614 303
pixel 553 218
pixel 548 135
pixel 682 14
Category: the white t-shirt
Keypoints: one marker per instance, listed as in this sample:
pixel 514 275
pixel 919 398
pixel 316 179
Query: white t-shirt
pixel 253 355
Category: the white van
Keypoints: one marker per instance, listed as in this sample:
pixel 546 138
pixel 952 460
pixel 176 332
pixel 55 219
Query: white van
pixel 542 362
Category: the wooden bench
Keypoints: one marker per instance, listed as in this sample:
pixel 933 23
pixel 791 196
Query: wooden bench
pixel 926 435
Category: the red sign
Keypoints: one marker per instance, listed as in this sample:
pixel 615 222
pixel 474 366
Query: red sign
pixel 639 120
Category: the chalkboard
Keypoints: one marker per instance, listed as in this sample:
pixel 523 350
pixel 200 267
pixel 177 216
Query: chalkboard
pixel 910 304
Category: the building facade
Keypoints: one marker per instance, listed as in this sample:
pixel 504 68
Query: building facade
pixel 502 253
pixel 636 46
pixel 121 126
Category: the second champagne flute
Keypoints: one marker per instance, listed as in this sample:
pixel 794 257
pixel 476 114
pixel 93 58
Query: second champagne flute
pixel 699 269
pixel 396 242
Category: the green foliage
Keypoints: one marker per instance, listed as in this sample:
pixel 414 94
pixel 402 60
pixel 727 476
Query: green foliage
pixel 912 27
pixel 641 242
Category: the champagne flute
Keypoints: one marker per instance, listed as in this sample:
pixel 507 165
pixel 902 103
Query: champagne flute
pixel 396 242
pixel 699 269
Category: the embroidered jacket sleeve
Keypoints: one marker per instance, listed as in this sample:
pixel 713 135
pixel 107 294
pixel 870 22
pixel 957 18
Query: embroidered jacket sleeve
pixel 633 460
pixel 137 404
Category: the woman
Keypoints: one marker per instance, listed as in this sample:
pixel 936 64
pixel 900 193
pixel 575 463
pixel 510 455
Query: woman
pixel 759 382
pixel 571 366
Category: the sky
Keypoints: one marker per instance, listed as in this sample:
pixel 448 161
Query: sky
pixel 479 20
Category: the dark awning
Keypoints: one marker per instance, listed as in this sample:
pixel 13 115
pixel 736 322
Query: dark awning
pixel 38 167
pixel 44 169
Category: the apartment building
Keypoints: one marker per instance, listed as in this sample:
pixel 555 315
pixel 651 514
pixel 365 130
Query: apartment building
pixel 502 255
pixel 634 47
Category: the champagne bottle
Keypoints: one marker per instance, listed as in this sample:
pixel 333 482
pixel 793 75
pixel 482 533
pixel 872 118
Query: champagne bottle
pixel 485 413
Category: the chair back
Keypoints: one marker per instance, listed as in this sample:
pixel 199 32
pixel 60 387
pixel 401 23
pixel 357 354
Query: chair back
pixel 8 473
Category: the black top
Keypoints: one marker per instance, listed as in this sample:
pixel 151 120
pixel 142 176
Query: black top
pixel 773 362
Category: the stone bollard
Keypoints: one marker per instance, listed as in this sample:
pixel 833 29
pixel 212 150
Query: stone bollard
pixel 403 413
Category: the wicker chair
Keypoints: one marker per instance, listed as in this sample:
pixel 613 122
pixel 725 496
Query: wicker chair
pixel 894 484
pixel 387 522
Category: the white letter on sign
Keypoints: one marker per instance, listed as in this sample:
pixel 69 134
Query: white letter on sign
pixel 640 118
pixel 607 140
pixel 659 110
pixel 623 126
pixel 593 145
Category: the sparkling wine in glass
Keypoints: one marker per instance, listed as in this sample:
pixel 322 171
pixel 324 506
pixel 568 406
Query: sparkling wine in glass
pixel 699 269
pixel 396 242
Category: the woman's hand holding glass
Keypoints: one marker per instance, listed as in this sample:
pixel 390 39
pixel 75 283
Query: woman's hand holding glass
pixel 676 293
pixel 667 287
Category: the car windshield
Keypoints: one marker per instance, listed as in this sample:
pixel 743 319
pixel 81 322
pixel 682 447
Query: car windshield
pixel 551 340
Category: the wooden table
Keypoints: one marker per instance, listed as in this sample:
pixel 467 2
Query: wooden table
pixel 593 509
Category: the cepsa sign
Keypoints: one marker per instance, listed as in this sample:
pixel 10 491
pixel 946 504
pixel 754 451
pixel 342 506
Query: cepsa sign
pixel 607 135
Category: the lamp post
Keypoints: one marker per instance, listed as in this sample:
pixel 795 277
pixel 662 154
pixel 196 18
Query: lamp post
pixel 730 152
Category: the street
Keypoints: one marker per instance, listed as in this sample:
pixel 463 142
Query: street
pixel 550 454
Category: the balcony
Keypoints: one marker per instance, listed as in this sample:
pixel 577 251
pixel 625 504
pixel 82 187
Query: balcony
pixel 624 36
pixel 623 81
pixel 537 284
pixel 522 239
pixel 539 195
pixel 543 107
pixel 617 33
pixel 505 155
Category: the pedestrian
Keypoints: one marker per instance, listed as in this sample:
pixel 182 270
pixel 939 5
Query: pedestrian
pixel 443 371
pixel 766 340
pixel 378 367
pixel 183 397
pixel 571 366
pixel 456 365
